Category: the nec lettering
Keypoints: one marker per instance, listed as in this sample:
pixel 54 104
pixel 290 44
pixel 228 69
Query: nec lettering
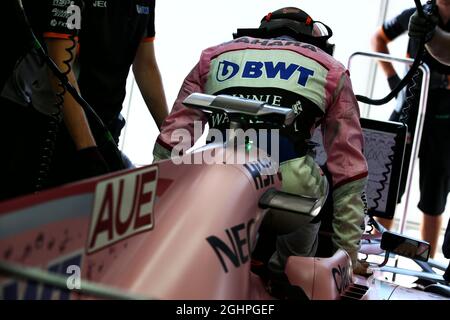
pixel 239 237
pixel 342 278
pixel 100 4
pixel 124 206
pixel 254 69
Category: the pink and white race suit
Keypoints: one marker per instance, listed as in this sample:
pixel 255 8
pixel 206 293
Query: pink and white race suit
pixel 300 76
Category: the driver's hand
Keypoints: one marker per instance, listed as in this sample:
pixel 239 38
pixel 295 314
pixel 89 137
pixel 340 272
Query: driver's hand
pixel 362 268
pixel 422 27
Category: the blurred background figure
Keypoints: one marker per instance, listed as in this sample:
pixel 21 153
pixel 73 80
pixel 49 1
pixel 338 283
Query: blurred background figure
pixel 94 43
pixel 437 40
pixel 434 152
pixel 438 45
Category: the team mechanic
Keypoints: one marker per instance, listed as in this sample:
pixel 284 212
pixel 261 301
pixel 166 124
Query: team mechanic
pixel 437 40
pixel 434 151
pixel 283 67
pixel 438 44
pixel 114 35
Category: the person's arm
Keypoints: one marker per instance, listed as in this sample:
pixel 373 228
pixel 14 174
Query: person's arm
pixel 343 142
pixel 148 78
pixel 74 117
pixel 180 117
pixel 61 48
pixel 386 33
pixel 89 160
pixel 380 44
pixel 62 51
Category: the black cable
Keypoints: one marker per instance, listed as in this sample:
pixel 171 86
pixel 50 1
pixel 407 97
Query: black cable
pixel 371 228
pixel 47 151
pixel 385 178
pixel 419 7
pixel 376 225
pixel 365 203
pixel 410 99
pixel 412 71
pixel 49 144
pixel 95 121
pixel 90 113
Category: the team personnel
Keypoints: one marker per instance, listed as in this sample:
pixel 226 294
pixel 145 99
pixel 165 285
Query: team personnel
pixel 104 39
pixel 286 58
pixel 437 40
pixel 434 150
pixel 438 45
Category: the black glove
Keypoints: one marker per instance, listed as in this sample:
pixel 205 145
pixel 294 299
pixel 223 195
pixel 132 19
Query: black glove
pixel 393 81
pixel 90 163
pixel 422 27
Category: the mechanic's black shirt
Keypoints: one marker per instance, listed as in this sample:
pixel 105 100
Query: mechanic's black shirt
pixel 111 31
pixel 399 24
pixel 436 132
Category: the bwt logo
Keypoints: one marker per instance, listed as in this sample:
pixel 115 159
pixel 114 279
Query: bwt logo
pixel 227 70
pixel 257 69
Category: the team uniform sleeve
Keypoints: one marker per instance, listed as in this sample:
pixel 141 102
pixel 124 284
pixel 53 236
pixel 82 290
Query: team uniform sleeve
pixel 181 118
pixel 397 25
pixel 343 142
pixel 150 30
pixel 61 18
